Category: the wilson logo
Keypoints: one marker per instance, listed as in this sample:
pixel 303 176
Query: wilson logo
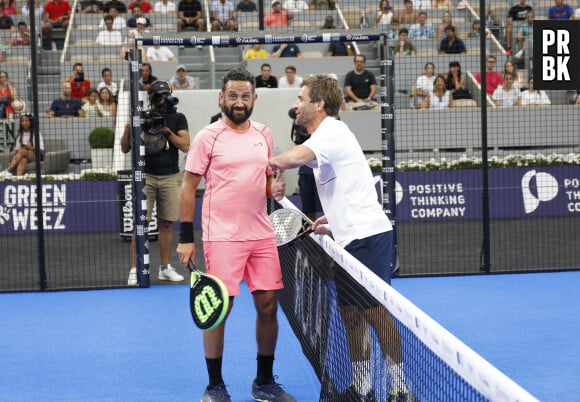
pixel 206 303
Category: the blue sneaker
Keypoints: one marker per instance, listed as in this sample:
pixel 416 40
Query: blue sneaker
pixel 217 394
pixel 272 392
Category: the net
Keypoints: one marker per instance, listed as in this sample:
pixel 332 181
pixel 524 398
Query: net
pixel 393 351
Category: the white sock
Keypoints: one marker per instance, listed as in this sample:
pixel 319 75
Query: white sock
pixel 397 373
pixel 361 376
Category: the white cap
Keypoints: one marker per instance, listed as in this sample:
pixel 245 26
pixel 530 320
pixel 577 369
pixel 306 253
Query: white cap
pixel 141 20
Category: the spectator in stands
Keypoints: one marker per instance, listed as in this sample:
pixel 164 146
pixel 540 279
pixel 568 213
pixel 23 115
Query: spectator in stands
pixel 91 7
pixel 526 30
pixel 441 5
pixel 422 5
pixel 189 15
pixel 506 95
pixel 56 16
pixel 422 29
pixel 38 9
pixel 141 31
pixel 531 97
pixel 408 14
pixel 439 97
pixel 493 78
pixel 403 46
pixel 108 104
pixel 6 23
pixel 246 6
pixel 266 79
pixel 222 15
pixel 128 45
pixel 92 108
pixel 286 50
pixel 516 13
pixel 65 105
pixel 340 49
pixel 117 4
pixel 510 67
pixel 446 19
pixel 576 99
pixel 384 15
pixel 107 82
pixel 7 94
pixel 80 85
pixel 451 44
pixel 455 80
pixel 295 6
pixel 136 14
pixel 9 7
pixel 24 146
pixel 21 37
pixel 561 11
pixel 160 53
pixel 278 17
pixel 144 4
pixel 424 85
pixel 147 76
pixel 328 22
pixel 109 36
pixel 360 84
pixel 181 80
pixel 119 22
pixel 256 52
pixel 393 32
pixel 323 4
pixel 290 79
pixel 475 28
pixel 165 7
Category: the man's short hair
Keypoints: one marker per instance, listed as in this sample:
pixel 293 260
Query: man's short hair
pixel 265 65
pixel 360 55
pixel 238 74
pixel 403 30
pixel 290 68
pixel 327 89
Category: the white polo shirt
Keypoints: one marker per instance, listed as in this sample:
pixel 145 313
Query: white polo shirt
pixel 345 184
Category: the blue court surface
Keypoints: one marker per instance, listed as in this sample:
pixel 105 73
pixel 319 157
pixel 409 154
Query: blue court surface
pixel 141 345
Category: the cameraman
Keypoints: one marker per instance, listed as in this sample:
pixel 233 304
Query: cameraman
pixel 307 185
pixel 163 179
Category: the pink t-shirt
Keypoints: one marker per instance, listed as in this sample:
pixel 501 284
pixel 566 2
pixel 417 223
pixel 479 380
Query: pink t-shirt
pixel 235 167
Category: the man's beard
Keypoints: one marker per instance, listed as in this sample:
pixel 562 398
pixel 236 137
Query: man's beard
pixel 236 118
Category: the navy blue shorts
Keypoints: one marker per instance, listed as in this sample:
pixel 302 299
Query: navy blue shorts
pixel 376 253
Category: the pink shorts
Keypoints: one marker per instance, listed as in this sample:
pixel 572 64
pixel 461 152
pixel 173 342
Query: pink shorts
pixel 254 261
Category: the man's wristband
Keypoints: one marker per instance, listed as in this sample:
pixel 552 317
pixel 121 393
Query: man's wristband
pixel 186 232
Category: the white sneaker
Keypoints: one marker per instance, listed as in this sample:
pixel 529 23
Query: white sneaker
pixel 5 174
pixel 132 281
pixel 169 274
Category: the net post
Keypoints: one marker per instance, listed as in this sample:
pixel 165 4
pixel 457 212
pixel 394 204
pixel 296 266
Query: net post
pixel 140 224
pixel 387 101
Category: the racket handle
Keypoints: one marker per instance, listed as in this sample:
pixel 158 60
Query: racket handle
pixel 191 266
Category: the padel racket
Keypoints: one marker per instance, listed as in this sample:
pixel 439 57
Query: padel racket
pixel 289 225
pixel 208 299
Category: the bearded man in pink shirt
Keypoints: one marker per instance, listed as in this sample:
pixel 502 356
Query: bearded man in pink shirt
pixel 238 239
